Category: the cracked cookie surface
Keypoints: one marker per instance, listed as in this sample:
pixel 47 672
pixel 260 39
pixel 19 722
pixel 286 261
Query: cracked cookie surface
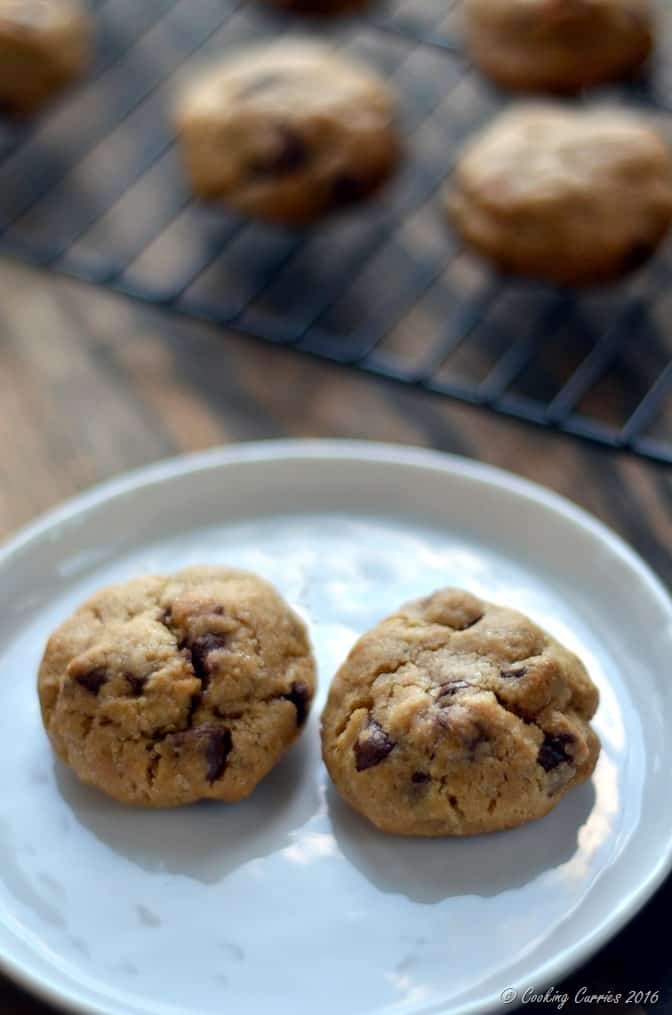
pixel 171 689
pixel 288 132
pixel 44 45
pixel 456 716
pixel 573 196
pixel 558 45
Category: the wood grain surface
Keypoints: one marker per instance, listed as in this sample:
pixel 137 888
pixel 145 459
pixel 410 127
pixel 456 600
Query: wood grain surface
pixel 92 385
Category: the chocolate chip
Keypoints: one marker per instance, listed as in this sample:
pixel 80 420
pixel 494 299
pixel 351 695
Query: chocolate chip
pixel 219 746
pixel 373 747
pixel 453 687
pixel 468 623
pixel 200 649
pixel 420 778
pixel 300 699
pixel 637 255
pixel 514 672
pixel 290 152
pixel 479 737
pixel 193 707
pixel 345 190
pixel 93 680
pixel 470 733
pixel 552 752
pixel 137 684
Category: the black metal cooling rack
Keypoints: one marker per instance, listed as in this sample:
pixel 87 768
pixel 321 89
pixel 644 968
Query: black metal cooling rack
pixel 94 189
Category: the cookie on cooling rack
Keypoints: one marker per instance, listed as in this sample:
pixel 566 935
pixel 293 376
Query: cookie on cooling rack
pixel 569 196
pixel 287 132
pixel 44 45
pixel 455 716
pixel 558 45
pixel 172 689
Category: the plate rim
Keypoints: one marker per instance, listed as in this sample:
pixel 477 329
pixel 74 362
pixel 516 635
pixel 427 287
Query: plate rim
pixel 391 454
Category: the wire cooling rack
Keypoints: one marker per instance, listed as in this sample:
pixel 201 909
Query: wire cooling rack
pixel 94 189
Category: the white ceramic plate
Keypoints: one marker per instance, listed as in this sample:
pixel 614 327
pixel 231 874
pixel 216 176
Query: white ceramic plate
pixel 290 903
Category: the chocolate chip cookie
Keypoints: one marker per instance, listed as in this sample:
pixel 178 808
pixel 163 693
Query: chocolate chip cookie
pixel 558 45
pixel 565 195
pixel 287 132
pixel 44 45
pixel 455 716
pixel 171 689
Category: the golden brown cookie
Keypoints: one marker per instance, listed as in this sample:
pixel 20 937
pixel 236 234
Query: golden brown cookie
pixel 564 195
pixel 287 132
pixel 44 45
pixel 558 45
pixel 171 689
pixel 455 716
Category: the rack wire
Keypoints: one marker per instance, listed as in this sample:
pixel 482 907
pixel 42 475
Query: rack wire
pixel 94 189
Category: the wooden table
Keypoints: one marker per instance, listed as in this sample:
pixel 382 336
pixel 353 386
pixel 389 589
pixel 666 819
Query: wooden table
pixel 91 385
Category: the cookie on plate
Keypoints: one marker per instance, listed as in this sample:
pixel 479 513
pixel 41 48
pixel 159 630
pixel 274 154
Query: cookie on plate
pixel 566 195
pixel 44 45
pixel 455 716
pixel 558 45
pixel 171 689
pixel 287 132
